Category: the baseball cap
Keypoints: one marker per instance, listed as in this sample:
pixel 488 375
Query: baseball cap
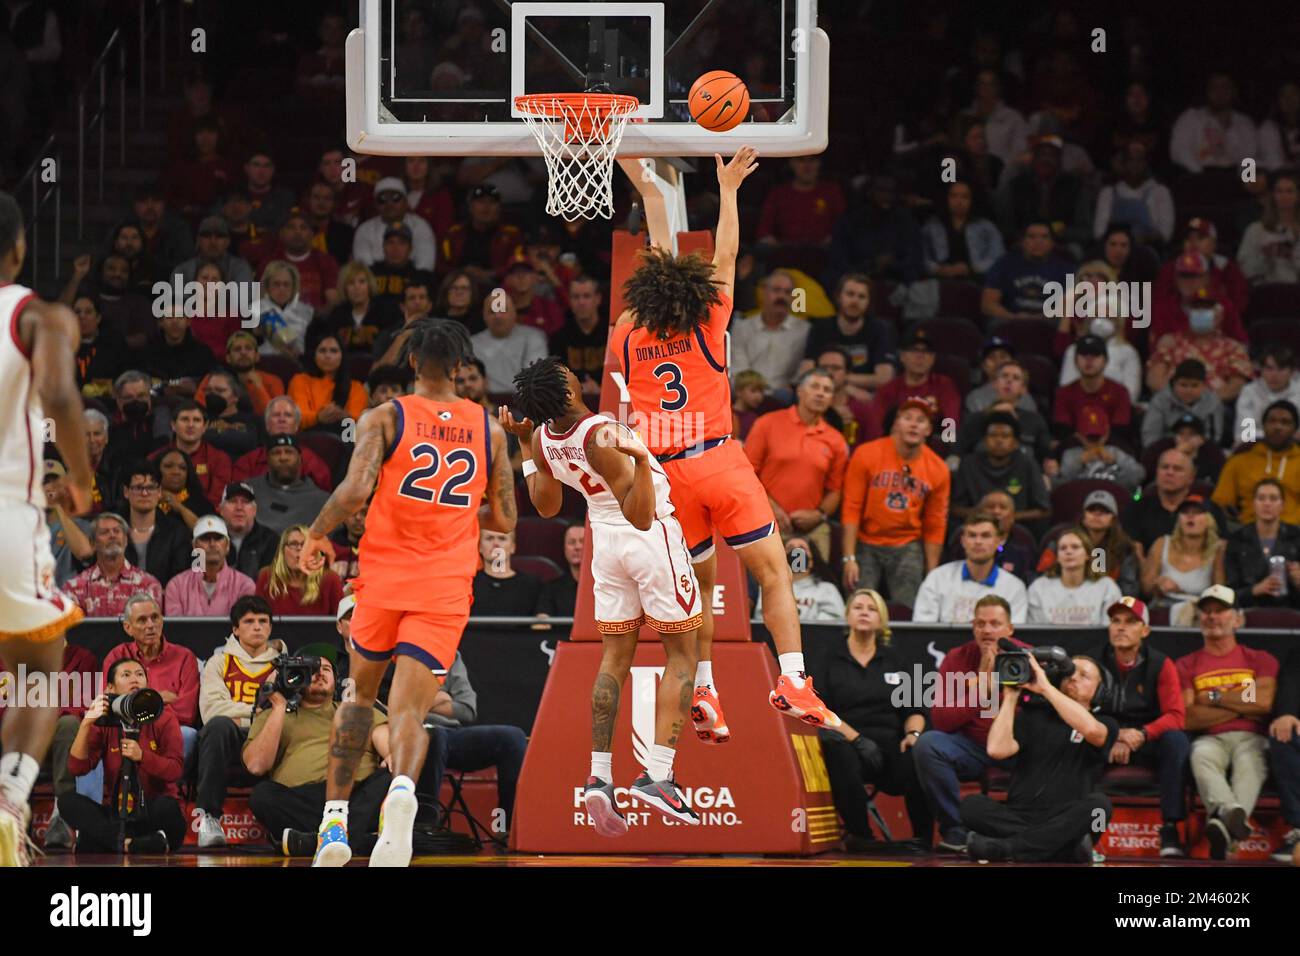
pixel 321 649
pixel 1199 226
pixel 390 184
pixel 1103 498
pixel 295 213
pixel 346 604
pixel 994 342
pixel 1218 592
pixel 1191 264
pixel 283 441
pixel 1189 368
pixel 397 229
pixel 55 468
pixel 1188 420
pixel 1094 422
pixel 485 190
pixel 209 524
pixel 917 402
pixel 917 338
pixel 1193 501
pixel 214 224
pixel 518 265
pixel 1090 345
pixel 238 489
pixel 1136 605
pixel 1049 139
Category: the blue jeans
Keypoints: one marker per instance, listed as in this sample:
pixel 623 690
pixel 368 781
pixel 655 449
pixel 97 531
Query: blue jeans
pixel 1285 759
pixel 476 748
pixel 1168 755
pixel 943 760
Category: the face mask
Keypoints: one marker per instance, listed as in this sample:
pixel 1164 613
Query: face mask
pixel 215 405
pixel 1102 328
pixel 1201 320
pixel 136 411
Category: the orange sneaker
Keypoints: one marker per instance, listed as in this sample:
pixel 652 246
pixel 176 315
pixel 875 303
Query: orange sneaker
pixel 802 703
pixel 706 714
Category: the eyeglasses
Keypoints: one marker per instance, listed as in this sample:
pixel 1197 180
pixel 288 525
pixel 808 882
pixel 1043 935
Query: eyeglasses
pixel 142 489
pixel 292 544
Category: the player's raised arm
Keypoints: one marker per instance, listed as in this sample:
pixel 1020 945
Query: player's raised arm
pixel 500 513
pixel 375 434
pixel 726 241
pixel 545 492
pixel 608 449
pixel 54 337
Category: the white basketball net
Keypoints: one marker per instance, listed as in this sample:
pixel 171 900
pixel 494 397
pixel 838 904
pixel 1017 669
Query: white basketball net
pixel 579 136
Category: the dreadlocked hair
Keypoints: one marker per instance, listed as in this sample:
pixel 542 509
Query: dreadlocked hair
pixel 541 391
pixel 671 295
pixel 442 342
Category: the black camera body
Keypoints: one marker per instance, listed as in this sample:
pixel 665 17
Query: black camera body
pixel 1014 670
pixel 131 711
pixel 293 675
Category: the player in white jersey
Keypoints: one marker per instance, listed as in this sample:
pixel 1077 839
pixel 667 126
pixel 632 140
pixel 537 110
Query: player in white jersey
pixel 38 395
pixel 640 565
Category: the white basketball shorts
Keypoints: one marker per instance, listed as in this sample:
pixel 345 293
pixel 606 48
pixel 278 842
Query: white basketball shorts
pixel 643 577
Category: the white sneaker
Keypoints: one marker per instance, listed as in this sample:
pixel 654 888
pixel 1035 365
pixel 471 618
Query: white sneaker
pixel 16 849
pixel 396 825
pixel 210 832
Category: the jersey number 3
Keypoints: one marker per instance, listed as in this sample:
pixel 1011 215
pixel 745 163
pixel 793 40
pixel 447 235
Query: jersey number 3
pixel 410 487
pixel 670 375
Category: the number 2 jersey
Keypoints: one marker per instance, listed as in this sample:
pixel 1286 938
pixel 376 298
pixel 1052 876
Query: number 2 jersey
pixel 566 455
pixel 419 551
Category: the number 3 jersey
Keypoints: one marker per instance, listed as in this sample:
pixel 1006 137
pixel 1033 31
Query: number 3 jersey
pixel 419 551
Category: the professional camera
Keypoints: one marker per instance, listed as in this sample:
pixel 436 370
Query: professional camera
pixel 1014 670
pixel 293 674
pixel 133 710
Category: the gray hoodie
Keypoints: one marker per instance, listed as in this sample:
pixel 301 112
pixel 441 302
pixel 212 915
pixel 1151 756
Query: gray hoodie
pixel 1165 409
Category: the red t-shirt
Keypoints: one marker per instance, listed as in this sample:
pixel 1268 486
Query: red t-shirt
pixel 1071 400
pixel 1202 670
pixel 289 604
pixel 797 216
pixel 318 273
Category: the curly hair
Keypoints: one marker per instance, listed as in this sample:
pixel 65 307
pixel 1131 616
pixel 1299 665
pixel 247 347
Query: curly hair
pixel 671 295
pixel 542 390
pixel 441 342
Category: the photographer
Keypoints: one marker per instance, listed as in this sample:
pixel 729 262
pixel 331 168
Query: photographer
pixel 1146 700
pixel 291 747
pixel 155 823
pixel 1052 811
pixel 227 692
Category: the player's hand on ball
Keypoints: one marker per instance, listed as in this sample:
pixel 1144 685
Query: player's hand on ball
pixel 520 428
pixel 316 551
pixel 732 174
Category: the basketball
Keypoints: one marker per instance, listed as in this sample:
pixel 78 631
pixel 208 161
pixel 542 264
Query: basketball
pixel 719 101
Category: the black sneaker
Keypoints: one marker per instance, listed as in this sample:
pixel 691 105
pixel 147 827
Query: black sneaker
pixel 954 842
pixel 664 796
pixel 1285 852
pixel 1170 843
pixel 298 843
pixel 1217 833
pixel 982 848
pixel 1083 850
pixel 1237 822
pixel 155 843
pixel 853 843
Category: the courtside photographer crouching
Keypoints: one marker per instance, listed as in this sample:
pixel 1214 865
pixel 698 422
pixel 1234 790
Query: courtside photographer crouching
pixel 139 740
pixel 1053 811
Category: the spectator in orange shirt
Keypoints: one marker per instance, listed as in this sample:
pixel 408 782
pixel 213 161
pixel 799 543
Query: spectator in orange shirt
pixel 919 380
pixel 895 508
pixel 800 459
pixel 326 393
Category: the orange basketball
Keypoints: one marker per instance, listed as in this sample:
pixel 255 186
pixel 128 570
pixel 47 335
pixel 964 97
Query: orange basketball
pixel 719 101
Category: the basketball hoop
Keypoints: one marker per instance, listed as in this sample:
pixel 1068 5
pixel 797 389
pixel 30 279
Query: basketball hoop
pixel 579 135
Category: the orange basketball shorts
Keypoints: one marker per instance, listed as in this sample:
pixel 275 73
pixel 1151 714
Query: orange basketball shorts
pixel 717 490
pixel 431 637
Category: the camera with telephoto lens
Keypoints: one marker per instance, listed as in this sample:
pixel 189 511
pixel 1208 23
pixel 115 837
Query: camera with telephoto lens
pixel 293 674
pixel 1014 670
pixel 132 710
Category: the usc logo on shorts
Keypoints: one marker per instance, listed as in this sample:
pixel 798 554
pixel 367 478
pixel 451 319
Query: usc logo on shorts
pixel 685 582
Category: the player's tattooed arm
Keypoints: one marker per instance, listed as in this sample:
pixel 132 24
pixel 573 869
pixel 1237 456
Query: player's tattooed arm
pixel 374 434
pixel 608 449
pixel 604 711
pixel 500 513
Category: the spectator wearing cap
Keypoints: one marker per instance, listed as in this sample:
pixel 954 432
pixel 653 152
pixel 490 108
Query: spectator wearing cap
pixel 103 588
pixel 772 340
pixel 895 507
pixel 1123 363
pixel 1251 548
pixel 484 245
pixel 1137 200
pixel 252 545
pixel 580 343
pixel 1045 191
pixel 1275 455
pixel 270 202
pixel 325 391
pixel 318 272
pixel 157 541
pixel 1270 247
pixel 212 467
pixel 1186 394
pixel 285 317
pixel 879 238
pixel 69 536
pixel 396 268
pixel 1277 381
pixel 1183 563
pixel 1188 436
pixel 1195 294
pixel 213 245
pixel 1156 512
pixel 1015 287
pixel 282 417
pixel 957 244
pixel 949 593
pixel 284 497
pixel 1145 698
pixel 1010 392
pixel 211 592
pixel 1226 280
pixel 535 309
pixel 800 460
pixel 919 380
pixel 1228 691
pixel 1100 520
pixel 1094 456
pixel 1092 388
pixel 803 210
pixel 868 341
pixel 995 353
pixel 1001 465
pixel 505 346
pixel 1075 590
pixel 368 240
pixel 1213 136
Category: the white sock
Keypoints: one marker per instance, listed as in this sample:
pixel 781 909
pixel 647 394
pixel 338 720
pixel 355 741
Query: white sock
pixel 792 666
pixel 336 810
pixel 602 766
pixel 704 674
pixel 661 762
pixel 18 776
pixel 402 782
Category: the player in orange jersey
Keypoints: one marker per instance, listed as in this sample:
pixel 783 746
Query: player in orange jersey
pixel 429 458
pixel 671 346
